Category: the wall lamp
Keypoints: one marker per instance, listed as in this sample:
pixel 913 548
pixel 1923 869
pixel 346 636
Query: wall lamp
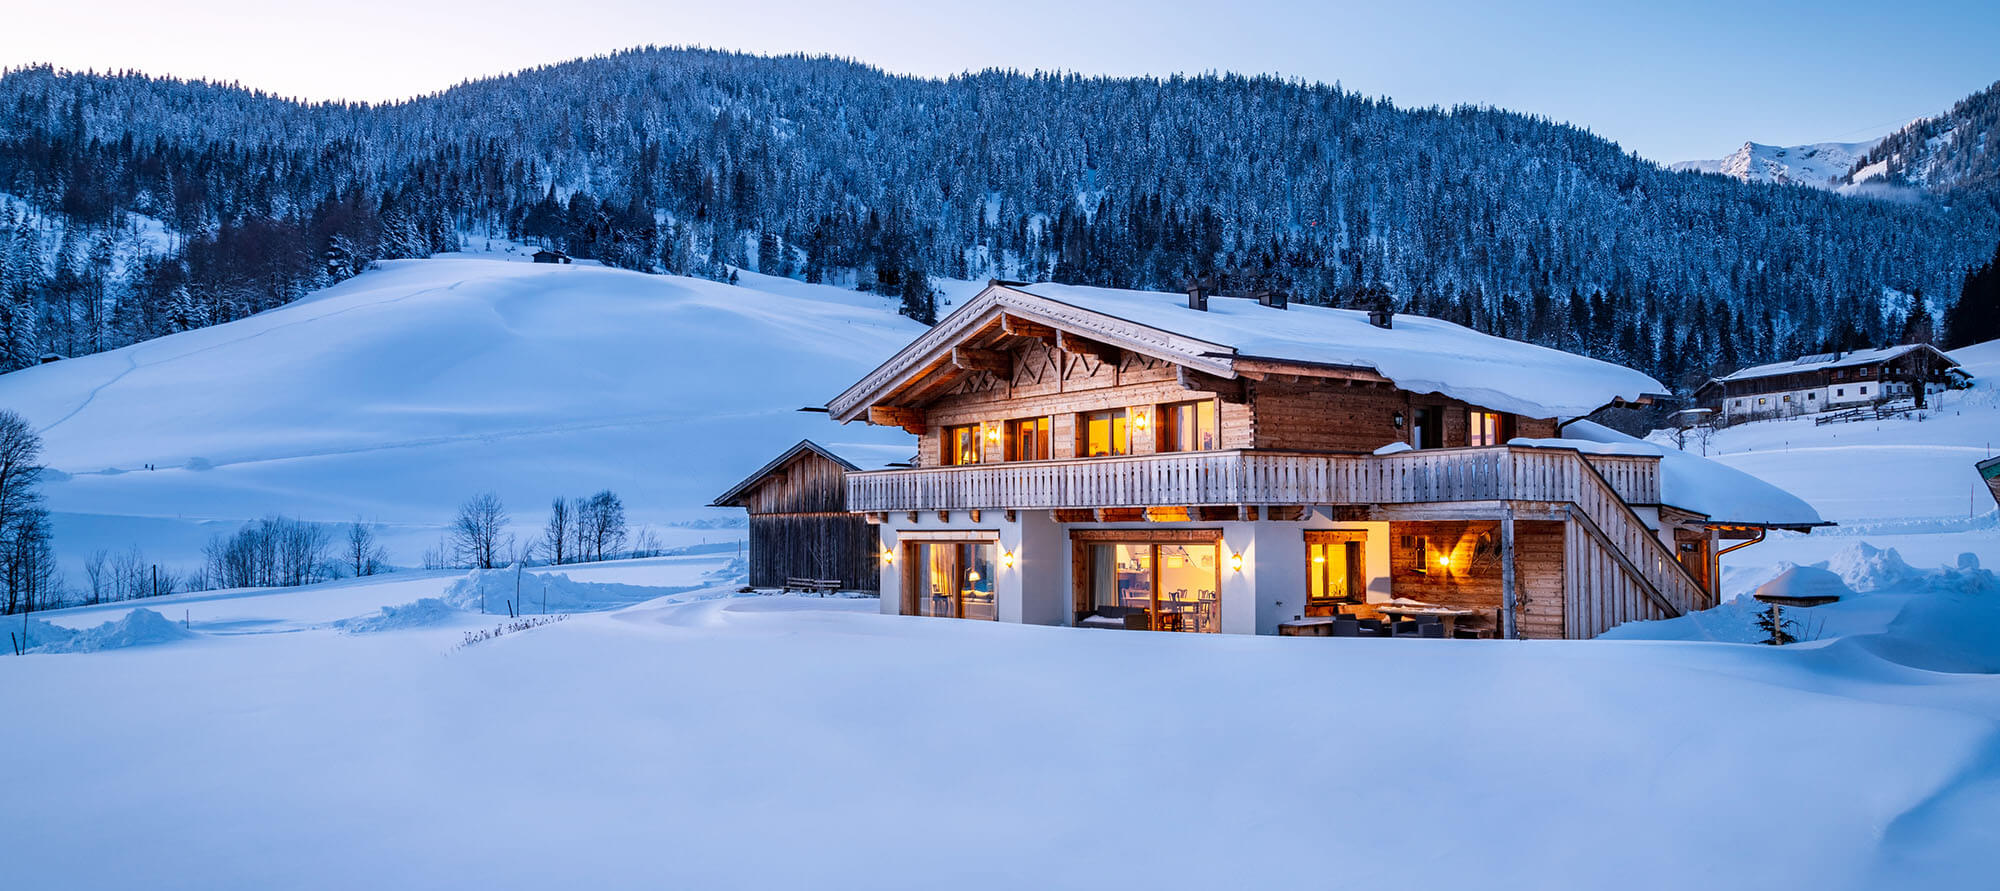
pixel 1236 561
pixel 1007 559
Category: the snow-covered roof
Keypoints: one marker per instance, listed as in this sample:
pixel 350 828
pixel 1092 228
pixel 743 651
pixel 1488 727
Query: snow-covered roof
pixel 1419 354
pixel 1827 361
pixel 1725 495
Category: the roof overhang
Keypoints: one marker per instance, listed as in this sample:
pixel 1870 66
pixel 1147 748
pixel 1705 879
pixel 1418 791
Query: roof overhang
pixel 734 497
pixel 1002 310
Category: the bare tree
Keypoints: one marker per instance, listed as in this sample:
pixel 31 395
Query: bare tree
pixel 555 536
pixel 272 552
pixel 95 575
pixel 27 559
pixel 364 555
pixel 477 532
pixel 603 521
pixel 579 541
pixel 646 543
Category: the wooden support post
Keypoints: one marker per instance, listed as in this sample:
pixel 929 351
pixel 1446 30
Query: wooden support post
pixel 973 515
pixel 1509 629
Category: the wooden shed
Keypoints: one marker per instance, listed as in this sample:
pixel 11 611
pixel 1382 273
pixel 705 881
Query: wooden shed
pixel 799 523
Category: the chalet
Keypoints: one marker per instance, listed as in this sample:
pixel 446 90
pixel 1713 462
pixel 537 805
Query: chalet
pixel 551 256
pixel 1102 457
pixel 1829 382
pixel 800 528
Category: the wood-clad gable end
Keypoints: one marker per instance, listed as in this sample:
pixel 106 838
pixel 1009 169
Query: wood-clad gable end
pixel 800 527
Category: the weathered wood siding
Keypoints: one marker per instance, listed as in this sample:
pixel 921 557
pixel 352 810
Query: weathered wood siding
pixel 822 546
pixel 800 528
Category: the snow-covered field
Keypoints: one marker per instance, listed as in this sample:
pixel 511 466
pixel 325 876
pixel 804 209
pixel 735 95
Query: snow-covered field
pixel 669 732
pixel 394 396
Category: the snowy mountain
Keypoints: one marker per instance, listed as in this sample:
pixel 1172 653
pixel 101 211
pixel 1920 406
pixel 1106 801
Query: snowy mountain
pixel 395 395
pixel 1821 165
pixel 1955 153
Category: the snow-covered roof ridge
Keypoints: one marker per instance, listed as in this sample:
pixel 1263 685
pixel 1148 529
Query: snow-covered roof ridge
pixel 1417 353
pixel 1725 495
pixel 1821 361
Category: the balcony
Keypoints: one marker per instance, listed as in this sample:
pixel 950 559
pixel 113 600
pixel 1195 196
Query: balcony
pixel 1512 473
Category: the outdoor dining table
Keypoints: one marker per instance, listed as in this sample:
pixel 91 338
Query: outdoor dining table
pixel 1446 614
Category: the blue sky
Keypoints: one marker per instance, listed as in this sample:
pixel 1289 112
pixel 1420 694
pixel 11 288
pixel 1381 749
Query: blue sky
pixel 1672 82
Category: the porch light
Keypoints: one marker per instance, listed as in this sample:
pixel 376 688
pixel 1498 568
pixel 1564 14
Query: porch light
pixel 1444 561
pixel 1007 559
pixel 1236 561
pixel 888 556
pixel 993 434
pixel 1139 420
pixel 1397 418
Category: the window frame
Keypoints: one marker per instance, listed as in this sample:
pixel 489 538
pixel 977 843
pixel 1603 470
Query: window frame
pixel 1167 425
pixel 1011 445
pixel 950 455
pixel 1118 424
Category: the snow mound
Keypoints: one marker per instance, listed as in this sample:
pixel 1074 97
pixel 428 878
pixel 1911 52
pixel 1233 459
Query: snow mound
pixel 138 628
pixel 1865 567
pixel 425 613
pixel 1805 581
pixel 539 592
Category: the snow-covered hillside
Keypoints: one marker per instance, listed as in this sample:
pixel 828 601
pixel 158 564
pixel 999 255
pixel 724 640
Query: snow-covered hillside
pixel 1821 165
pixel 394 396
pixel 1907 483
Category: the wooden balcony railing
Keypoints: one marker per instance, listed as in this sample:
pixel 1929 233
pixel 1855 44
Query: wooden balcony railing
pixel 1513 473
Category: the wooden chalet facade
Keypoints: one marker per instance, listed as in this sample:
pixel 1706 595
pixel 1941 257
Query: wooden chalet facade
pixel 800 527
pixel 1829 382
pixel 1089 453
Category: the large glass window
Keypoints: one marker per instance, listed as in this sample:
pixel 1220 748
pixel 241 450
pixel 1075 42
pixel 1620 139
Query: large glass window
pixel 1102 433
pixel 1028 439
pixel 955 579
pixel 1335 573
pixel 1189 427
pixel 961 445
pixel 1177 584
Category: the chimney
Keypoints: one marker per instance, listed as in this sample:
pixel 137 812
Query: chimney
pixel 1197 292
pixel 1272 298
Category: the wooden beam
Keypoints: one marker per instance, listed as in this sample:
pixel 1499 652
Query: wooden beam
pixel 1020 327
pixel 895 416
pixel 1230 390
pixel 989 361
pixel 1266 367
pixel 1509 628
pixel 1070 343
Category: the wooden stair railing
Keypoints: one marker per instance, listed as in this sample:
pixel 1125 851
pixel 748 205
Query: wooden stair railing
pixel 1634 546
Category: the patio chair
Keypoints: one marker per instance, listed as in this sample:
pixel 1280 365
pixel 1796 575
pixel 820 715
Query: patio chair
pixel 1370 627
pixel 1401 628
pixel 1431 630
pixel 1346 626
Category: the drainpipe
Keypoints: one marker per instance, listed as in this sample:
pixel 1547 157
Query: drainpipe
pixel 1761 532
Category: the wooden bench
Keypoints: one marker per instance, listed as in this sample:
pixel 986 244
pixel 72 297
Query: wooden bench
pixel 819 586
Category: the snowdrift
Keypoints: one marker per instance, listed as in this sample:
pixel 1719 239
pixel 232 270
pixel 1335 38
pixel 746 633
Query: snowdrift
pixel 138 628
pixel 542 591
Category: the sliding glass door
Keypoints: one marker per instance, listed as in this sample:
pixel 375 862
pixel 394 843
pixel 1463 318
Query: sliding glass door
pixel 954 579
pixel 1178 584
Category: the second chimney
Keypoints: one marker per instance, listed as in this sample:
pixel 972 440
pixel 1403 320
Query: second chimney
pixel 1381 316
pixel 1197 296
pixel 1272 298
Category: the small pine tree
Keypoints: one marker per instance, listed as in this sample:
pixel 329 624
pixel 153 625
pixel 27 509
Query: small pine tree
pixel 1777 629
